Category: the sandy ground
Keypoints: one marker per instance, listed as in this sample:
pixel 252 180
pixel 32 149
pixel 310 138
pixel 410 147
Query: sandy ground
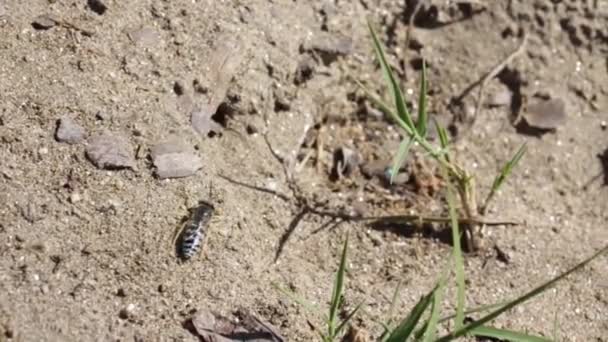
pixel 87 254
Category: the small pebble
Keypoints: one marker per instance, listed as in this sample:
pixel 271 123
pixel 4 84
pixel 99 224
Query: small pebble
pixel 68 131
pixel 346 160
pixel 178 88
pixel 43 22
pixel 30 213
pixel 546 114
pixel 175 159
pixel 103 115
pixel 75 198
pixel 251 129
pixel 329 46
pixel 123 314
pixel 128 312
pixel 111 151
pixel 121 292
pixel 304 70
pixel 203 320
pixel 145 36
pixel 281 100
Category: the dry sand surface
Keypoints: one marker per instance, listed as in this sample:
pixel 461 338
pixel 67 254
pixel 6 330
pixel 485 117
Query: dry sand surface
pixel 117 117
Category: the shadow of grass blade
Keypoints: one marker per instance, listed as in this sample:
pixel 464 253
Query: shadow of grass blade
pixel 421 125
pixel 475 310
pixel 336 296
pixel 347 319
pixel 506 335
pixel 403 331
pixel 297 299
pixel 489 317
pixel 402 110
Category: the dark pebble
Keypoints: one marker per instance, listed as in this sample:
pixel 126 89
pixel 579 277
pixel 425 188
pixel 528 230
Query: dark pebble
pixel 123 314
pixel 178 88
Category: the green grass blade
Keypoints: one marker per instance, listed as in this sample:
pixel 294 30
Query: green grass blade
pixel 507 335
pixel 504 173
pixel 534 292
pixel 380 104
pixel 423 119
pixel 458 258
pixel 443 135
pixel 556 324
pixel 431 327
pixel 336 296
pixel 391 310
pixel 347 319
pixel 399 158
pixel 403 331
pixel 400 105
pixel 506 170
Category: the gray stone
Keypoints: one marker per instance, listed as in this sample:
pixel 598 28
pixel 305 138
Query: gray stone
pixel 111 151
pixel 44 22
pixel 68 131
pixel 174 159
pixel 145 36
pixel 329 46
pixel 546 114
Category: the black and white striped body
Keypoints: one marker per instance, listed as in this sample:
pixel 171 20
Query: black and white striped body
pixel 193 234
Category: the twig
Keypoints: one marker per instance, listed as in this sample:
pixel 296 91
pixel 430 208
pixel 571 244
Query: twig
pixel 482 82
pixel 434 219
pixel 490 75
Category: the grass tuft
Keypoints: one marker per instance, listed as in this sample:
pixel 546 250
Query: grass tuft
pixel 459 187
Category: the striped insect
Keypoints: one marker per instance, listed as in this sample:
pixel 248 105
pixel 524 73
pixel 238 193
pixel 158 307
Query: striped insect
pixel 193 232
